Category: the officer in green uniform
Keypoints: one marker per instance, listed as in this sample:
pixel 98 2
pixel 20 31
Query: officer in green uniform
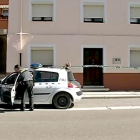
pixel 26 83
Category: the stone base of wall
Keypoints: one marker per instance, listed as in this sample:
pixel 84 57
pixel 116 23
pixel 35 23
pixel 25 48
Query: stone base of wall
pixel 117 81
pixel 122 81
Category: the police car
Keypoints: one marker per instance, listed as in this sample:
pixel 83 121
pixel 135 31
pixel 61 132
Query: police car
pixel 51 86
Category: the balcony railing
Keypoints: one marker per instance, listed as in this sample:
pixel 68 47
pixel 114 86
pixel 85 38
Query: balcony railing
pixel 4 16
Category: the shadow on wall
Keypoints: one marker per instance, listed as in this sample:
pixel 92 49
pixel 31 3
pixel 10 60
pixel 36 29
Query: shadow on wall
pixel 3 50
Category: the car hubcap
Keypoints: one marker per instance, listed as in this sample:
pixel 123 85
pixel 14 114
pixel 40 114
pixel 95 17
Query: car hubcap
pixel 62 101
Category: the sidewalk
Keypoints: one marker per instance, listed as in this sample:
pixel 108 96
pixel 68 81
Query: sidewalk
pixel 111 94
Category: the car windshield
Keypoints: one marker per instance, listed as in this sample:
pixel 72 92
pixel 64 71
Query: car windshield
pixel 70 76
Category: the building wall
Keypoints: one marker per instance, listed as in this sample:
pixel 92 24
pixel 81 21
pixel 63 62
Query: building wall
pixel 70 47
pixel 68 20
pixel 4 2
pixel 70 35
pixel 3 22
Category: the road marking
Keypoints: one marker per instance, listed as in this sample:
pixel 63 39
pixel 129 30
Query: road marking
pixel 127 107
pixel 72 109
pixel 95 108
pixel 80 109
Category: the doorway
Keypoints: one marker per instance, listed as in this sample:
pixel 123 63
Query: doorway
pixel 3 49
pixel 93 76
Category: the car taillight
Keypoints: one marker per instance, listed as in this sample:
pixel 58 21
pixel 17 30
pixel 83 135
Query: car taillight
pixel 70 85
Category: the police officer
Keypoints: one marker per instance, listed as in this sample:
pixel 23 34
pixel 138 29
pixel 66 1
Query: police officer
pixel 26 83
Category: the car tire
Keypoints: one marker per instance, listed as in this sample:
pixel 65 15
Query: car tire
pixel 62 101
pixel 72 105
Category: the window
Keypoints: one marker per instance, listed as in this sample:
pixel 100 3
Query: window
pixel 43 76
pixel 5 13
pixel 11 79
pixel 135 15
pixel 134 58
pixel 42 12
pixel 45 57
pixel 93 13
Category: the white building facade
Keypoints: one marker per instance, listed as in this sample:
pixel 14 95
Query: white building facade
pixel 83 32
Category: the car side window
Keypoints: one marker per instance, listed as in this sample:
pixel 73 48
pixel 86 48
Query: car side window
pixel 54 77
pixel 43 76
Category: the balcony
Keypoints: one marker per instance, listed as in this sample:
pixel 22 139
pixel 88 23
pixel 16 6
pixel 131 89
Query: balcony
pixel 4 17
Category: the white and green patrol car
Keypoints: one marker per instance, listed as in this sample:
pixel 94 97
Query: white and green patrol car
pixel 51 86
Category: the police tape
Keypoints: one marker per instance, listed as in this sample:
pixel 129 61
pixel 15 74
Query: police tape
pixel 89 66
pixel 98 66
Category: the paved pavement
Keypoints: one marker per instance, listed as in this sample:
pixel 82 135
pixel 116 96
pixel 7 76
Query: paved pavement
pixel 113 94
pixel 115 102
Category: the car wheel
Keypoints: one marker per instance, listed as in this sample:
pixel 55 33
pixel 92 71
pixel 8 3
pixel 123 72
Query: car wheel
pixel 72 105
pixel 62 101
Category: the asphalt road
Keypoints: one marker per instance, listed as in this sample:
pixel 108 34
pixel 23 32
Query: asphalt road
pixel 91 103
pixel 70 125
pixel 46 123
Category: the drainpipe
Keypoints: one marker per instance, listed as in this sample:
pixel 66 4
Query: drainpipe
pixel 20 57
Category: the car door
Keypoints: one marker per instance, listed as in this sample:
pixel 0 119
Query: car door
pixel 45 83
pixel 8 86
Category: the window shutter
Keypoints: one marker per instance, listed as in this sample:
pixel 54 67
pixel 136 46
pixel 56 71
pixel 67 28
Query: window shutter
pixel 45 57
pixel 42 10
pixel 93 11
pixel 135 12
pixel 134 58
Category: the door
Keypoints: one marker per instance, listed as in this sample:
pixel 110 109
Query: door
pixel 93 76
pixel 45 83
pixel 3 49
pixel 8 91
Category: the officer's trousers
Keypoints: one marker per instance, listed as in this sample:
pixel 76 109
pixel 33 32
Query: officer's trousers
pixel 27 87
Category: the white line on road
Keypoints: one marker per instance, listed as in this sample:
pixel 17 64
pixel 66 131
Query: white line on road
pixel 81 109
pixel 95 108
